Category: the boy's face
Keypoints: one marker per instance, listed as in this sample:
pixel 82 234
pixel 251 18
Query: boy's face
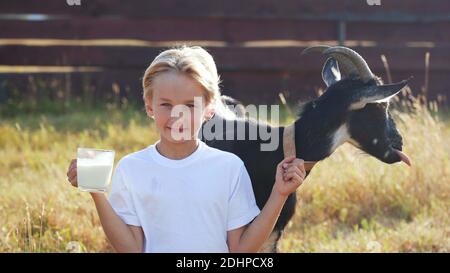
pixel 177 106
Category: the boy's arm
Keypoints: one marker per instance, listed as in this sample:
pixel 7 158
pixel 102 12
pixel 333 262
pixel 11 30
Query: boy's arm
pixel 123 237
pixel 250 238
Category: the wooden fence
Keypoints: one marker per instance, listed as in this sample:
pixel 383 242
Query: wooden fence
pixel 256 43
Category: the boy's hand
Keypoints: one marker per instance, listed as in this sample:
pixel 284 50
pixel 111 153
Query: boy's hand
pixel 290 175
pixel 72 173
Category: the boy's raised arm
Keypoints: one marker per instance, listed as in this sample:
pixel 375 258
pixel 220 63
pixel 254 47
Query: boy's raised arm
pixel 250 238
pixel 123 237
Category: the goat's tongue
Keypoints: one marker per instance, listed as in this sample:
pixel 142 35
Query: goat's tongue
pixel 403 157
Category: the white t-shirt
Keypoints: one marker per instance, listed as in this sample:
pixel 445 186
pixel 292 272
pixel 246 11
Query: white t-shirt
pixel 185 205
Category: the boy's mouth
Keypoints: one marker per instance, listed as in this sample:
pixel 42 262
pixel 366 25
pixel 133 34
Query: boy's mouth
pixel 181 129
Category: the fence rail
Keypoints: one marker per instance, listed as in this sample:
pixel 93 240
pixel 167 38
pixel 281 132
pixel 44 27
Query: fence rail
pixel 256 43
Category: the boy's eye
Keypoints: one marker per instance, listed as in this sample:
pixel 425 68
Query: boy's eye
pixel 165 104
pixel 190 105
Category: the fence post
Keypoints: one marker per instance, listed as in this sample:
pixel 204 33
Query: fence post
pixel 342 25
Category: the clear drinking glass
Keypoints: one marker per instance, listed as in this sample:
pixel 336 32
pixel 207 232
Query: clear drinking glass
pixel 94 169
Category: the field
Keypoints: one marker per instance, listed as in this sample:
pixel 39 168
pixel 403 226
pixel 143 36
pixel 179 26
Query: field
pixel 350 202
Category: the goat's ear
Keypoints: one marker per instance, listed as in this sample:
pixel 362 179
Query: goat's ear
pixel 330 72
pixel 376 93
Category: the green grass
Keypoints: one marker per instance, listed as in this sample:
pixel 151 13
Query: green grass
pixel 349 203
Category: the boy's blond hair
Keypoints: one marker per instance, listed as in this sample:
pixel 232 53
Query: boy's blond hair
pixel 194 61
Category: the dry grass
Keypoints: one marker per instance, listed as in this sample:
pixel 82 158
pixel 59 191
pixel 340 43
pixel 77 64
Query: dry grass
pixel 350 203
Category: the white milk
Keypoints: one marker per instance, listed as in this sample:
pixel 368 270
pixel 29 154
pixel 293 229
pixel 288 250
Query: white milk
pixel 93 175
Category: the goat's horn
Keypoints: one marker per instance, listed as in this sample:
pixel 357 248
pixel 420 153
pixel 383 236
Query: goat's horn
pixel 317 48
pixel 346 66
pixel 360 64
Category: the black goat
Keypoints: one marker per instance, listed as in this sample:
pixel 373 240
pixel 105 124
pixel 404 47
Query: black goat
pixel 353 109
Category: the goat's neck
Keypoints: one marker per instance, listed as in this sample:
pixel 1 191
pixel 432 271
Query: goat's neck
pixel 319 130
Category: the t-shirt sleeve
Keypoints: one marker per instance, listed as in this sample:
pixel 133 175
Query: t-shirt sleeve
pixel 120 199
pixel 242 208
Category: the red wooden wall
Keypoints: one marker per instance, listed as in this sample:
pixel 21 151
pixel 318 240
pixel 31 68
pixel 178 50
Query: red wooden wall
pixel 256 43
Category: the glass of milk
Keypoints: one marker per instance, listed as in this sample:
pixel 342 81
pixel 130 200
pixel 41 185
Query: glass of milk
pixel 94 169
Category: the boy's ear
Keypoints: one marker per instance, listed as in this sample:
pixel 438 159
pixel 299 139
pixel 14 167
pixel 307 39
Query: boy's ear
pixel 149 108
pixel 209 113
